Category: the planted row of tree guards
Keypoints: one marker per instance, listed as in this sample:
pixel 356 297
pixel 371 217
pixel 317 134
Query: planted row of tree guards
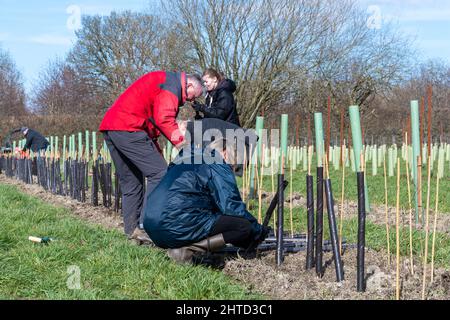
pixel 374 158
pixel 81 169
pixel 314 240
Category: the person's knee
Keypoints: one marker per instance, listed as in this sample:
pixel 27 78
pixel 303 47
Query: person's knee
pixel 130 188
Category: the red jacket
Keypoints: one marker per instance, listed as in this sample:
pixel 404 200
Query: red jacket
pixel 157 94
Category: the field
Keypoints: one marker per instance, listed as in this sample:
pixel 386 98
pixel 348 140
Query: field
pixel 113 268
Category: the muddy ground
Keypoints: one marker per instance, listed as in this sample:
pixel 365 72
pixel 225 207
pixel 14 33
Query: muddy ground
pixel 291 281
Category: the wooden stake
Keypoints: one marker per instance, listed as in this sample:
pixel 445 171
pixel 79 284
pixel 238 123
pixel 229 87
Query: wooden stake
pixel 422 114
pixel 290 203
pixel 260 185
pixel 250 167
pixel 297 130
pixel 243 176
pixel 273 189
pixel 259 189
pixel 434 228
pixel 425 257
pixel 397 233
pixel 341 213
pixel 342 138
pixel 410 207
pixel 386 212
pixel 419 188
pixel 430 110
pixel 328 137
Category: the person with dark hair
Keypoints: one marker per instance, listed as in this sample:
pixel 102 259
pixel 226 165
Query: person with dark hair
pixel 219 102
pixel 197 206
pixel 148 108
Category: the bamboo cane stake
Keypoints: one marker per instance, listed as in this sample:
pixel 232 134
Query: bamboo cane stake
pixel 434 228
pixel 425 257
pixel 273 188
pixel 256 177
pixel 410 209
pixel 397 235
pixel 291 201
pixel 419 188
pixel 260 185
pixel 386 212
pixel 243 176
pixel 430 110
pixel 342 162
pixel 328 133
pixel 249 170
pixel 341 213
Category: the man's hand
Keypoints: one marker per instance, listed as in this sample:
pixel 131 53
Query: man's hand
pixel 182 126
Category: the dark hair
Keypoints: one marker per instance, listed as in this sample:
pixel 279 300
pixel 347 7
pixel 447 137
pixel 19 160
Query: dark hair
pixel 213 73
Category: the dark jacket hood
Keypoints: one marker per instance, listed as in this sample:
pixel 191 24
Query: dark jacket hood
pixel 227 84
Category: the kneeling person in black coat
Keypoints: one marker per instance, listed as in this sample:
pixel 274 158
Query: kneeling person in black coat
pixel 198 208
pixel 35 141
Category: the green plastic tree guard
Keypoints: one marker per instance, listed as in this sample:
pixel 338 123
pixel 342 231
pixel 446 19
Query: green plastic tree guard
pixel 80 145
pixel 56 145
pixel 88 150
pixel 94 145
pixel 358 146
pixel 415 128
pixel 258 128
pixel 283 144
pixel 64 146
pixel 318 128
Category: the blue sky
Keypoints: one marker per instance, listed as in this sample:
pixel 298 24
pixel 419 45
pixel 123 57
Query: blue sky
pixel 35 32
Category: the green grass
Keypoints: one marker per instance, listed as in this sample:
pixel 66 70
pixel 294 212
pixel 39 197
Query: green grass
pixel 110 266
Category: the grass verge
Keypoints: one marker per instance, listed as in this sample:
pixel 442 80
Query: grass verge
pixel 107 265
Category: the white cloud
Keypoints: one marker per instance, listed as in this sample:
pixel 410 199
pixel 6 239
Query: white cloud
pixel 52 39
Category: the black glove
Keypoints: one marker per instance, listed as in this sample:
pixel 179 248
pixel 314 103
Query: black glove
pixel 259 238
pixel 263 234
pixel 197 116
pixel 197 106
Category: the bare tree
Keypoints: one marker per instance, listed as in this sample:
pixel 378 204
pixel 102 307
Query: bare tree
pixel 262 45
pixel 283 51
pixel 12 92
pixel 111 52
pixel 60 90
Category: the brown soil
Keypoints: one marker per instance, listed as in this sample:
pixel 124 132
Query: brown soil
pixel 290 281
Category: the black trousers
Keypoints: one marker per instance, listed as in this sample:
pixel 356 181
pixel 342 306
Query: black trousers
pixel 235 230
pixel 136 159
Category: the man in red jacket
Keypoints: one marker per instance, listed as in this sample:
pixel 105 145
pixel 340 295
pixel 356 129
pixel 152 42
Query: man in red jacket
pixel 132 138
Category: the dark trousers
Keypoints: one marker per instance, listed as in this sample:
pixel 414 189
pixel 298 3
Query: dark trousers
pixel 136 159
pixel 235 230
